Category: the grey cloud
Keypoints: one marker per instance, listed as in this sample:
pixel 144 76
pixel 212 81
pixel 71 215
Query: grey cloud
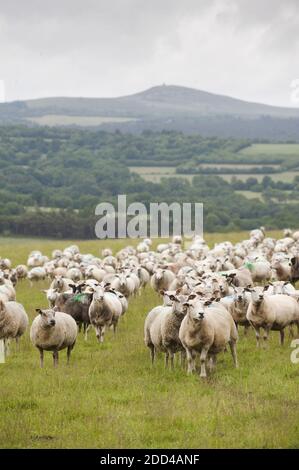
pixel 104 48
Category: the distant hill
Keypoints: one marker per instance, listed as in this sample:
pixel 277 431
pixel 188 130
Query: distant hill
pixel 161 107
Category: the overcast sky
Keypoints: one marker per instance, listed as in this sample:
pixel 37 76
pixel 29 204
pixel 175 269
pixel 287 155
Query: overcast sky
pixel 243 48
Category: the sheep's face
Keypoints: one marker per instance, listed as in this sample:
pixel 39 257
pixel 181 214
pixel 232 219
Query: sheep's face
pixel 98 295
pixel 167 295
pixel 196 312
pixel 257 296
pixel 47 317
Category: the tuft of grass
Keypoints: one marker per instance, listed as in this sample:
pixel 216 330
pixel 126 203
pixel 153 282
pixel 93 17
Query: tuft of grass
pixel 111 397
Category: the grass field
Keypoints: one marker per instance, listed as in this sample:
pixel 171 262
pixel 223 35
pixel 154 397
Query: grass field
pixel 111 397
pixel 61 120
pixel 271 149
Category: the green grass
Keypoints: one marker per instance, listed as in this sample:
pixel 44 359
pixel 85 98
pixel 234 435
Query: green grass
pixel 111 397
pixel 64 120
pixel 271 149
pixel 250 194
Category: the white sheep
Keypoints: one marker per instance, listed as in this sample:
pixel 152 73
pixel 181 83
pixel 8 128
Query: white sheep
pixel 271 312
pixel 207 329
pixel 53 331
pixel 13 321
pixel 104 311
pixel 161 279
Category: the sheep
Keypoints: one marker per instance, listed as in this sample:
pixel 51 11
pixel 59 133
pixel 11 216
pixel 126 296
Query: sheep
pixel 61 284
pixel 6 288
pixel 162 279
pixel 5 263
pixel 13 321
pixel 206 329
pixel 105 310
pixel 21 271
pixel 53 331
pixel 152 330
pixel 240 277
pixel 76 305
pixel 237 305
pixel 271 312
pixel 74 274
pixel 127 284
pixel 170 326
pixel 36 274
pixel 260 270
pixel 51 295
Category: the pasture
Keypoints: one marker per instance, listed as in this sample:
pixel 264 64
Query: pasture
pixel 66 120
pixel 111 397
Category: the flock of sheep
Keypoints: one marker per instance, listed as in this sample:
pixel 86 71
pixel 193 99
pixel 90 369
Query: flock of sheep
pixel 206 295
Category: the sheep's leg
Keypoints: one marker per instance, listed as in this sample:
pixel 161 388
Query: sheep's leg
pixel 166 359
pixel 266 336
pixel 114 328
pixel 7 347
pixel 190 361
pixel 246 329
pixel 203 360
pixel 17 344
pixel 291 332
pixel 41 357
pixel 152 353
pixel 183 358
pixel 233 349
pixel 79 327
pixel 69 350
pixel 171 360
pixel 55 358
pixel 86 331
pixel 257 335
pixel 281 337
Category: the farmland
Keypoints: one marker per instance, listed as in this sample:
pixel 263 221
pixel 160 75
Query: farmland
pixel 111 397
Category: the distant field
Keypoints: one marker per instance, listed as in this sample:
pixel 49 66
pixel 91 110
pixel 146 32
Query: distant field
pixel 286 177
pixel 271 149
pixel 237 165
pixel 155 174
pixel 250 194
pixel 60 120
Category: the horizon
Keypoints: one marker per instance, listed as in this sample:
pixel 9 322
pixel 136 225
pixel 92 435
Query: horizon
pixel 215 93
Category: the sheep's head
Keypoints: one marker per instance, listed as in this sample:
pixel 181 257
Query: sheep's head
pixel 257 294
pixel 98 295
pixel 47 317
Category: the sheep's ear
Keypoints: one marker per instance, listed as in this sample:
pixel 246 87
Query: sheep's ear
pixel 44 290
pixel 266 287
pixel 38 310
pixel 232 275
pixel 270 283
pixel 162 292
pixel 208 302
pixel 73 287
pixel 217 300
pixel 178 291
pixel 247 289
pixel 293 260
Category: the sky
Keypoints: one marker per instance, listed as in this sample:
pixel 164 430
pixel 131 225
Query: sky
pixel 246 49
